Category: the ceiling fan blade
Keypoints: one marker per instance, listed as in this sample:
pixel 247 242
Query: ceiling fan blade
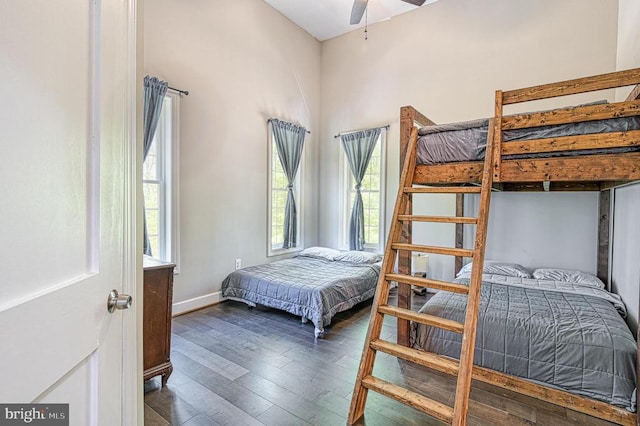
pixel 416 2
pixel 359 6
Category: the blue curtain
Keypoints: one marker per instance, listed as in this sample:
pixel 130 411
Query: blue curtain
pixel 289 139
pixel 358 147
pixel 154 91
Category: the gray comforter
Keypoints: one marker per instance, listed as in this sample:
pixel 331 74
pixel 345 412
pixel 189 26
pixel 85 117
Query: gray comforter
pixel 563 335
pixel 312 288
pixel 467 141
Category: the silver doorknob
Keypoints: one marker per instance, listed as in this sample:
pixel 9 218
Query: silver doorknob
pixel 118 301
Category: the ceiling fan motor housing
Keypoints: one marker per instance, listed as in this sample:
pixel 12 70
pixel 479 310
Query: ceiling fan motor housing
pixel 360 6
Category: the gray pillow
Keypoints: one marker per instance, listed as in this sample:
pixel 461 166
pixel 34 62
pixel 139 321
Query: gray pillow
pixel 319 253
pixel 496 268
pixel 568 275
pixel 358 257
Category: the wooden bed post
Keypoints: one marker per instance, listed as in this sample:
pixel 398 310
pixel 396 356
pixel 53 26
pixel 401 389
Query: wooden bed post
pixel 408 117
pixel 459 232
pixel 603 236
pixel 497 135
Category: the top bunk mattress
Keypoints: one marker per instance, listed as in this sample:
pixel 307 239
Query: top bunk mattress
pixel 467 141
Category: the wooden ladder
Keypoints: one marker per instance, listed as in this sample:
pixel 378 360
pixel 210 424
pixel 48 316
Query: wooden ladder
pixel 365 381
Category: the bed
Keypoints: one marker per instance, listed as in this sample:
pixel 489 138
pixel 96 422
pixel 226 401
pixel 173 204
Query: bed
pixel 594 160
pixel 315 285
pixel 566 335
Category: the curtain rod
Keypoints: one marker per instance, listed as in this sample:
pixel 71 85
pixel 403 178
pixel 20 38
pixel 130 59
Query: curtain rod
pixel 183 92
pixel 355 131
pixel 269 120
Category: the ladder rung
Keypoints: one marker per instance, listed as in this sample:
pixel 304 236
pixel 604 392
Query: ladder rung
pixel 440 219
pixel 428 359
pixel 428 283
pixel 432 320
pixel 442 190
pixel 410 398
pixel 433 249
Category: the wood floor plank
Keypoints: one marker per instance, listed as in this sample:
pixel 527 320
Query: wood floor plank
pixel 168 404
pixel 276 416
pixel 340 405
pixel 214 406
pixel 282 323
pixel 315 377
pixel 307 387
pixel 241 332
pixel 152 418
pixel 249 402
pixel 400 413
pixel 178 328
pixel 196 371
pixel 486 413
pixel 245 354
pixel 343 377
pixel 337 404
pixel 247 342
pixel 200 420
pixel 220 365
pixel 188 323
pixel 291 402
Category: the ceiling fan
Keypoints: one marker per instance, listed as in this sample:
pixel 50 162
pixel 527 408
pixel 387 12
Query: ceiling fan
pixel 359 7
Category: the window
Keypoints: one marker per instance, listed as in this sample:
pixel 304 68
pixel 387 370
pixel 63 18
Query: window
pixel 373 198
pixel 160 184
pixel 278 199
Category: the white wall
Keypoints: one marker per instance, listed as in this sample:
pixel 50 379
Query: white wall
pixel 242 62
pixel 447 59
pixel 544 229
pixel 625 267
pixel 628 50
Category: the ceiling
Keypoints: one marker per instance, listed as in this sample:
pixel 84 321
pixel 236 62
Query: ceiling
pixel 325 19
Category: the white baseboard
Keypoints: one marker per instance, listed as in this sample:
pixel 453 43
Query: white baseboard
pixel 194 304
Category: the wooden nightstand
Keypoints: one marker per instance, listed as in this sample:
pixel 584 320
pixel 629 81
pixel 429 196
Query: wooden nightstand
pixel 158 299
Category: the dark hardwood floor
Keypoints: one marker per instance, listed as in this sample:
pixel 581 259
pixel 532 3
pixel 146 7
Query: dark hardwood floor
pixel 239 366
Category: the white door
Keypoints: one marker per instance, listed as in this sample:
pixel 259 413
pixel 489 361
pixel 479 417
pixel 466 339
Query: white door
pixel 67 197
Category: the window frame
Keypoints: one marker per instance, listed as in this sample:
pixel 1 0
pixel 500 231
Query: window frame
pixel 168 191
pixel 298 192
pixel 346 187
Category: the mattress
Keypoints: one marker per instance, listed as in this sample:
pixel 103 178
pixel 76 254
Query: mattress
pixel 313 288
pixel 559 334
pixel 467 141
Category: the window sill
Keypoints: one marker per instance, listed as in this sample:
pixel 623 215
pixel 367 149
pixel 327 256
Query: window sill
pixel 282 252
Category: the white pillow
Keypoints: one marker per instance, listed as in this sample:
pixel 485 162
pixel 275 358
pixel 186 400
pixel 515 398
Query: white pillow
pixel 568 275
pixel 319 253
pixel 358 257
pixel 496 268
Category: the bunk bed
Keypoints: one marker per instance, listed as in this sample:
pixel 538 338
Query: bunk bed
pixel 537 158
pixel 316 284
